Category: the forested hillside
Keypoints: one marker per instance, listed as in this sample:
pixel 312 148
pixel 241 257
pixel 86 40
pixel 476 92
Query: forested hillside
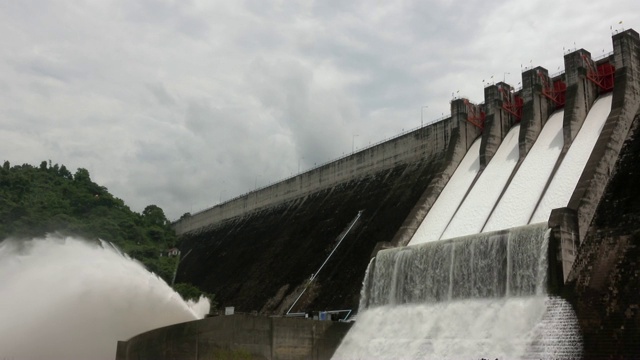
pixel 35 201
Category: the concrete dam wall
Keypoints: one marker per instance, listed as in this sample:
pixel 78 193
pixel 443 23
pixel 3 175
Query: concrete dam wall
pixel 261 260
pixel 263 250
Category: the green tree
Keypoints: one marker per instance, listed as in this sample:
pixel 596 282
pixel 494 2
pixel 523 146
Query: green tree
pixel 190 292
pixel 153 215
pixel 82 175
pixel 35 201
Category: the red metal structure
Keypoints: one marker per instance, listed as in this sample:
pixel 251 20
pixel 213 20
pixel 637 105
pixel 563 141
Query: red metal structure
pixel 513 107
pixel 602 75
pixel 556 92
pixel 475 115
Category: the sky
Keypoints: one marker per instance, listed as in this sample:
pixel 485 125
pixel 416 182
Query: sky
pixel 187 103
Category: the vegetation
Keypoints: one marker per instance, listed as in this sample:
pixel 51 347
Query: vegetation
pixel 35 201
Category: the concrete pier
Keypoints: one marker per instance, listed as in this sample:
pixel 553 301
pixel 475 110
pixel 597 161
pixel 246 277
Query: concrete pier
pixel 536 108
pixel 498 120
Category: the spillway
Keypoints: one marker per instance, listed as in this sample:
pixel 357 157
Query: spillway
pixel 564 181
pixel 525 189
pixel 450 198
pixel 476 208
pixel 481 296
pixel 531 194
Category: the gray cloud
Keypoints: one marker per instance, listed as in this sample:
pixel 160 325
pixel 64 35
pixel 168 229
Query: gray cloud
pixel 186 103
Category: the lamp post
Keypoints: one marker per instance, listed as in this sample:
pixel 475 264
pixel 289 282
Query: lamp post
pixel 421 119
pixel 504 77
pixel 353 142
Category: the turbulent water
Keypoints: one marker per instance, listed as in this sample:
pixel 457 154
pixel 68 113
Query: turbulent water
pixel 481 296
pixel 65 298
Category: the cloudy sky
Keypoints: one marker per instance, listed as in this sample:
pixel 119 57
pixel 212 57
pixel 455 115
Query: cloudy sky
pixel 185 103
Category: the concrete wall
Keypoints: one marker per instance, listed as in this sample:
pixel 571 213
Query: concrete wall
pixel 604 283
pixel 407 148
pixel 260 255
pixel 260 261
pixel 224 336
pixel 625 105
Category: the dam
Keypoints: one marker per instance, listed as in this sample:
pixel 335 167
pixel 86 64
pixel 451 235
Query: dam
pixel 523 204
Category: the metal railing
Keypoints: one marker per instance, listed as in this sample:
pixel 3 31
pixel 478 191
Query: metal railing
pixel 556 74
pixel 600 57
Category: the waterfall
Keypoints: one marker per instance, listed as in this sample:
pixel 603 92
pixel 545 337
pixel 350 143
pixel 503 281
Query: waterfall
pixel 480 296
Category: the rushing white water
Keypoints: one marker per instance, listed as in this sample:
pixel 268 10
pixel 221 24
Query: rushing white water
pixel 481 296
pixel 65 298
pixel 566 178
pixel 521 197
pixel 476 208
pixel 450 198
pixel 506 328
pixel 484 265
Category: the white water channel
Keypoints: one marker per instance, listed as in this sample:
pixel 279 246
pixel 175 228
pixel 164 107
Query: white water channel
pixel 450 198
pixel 566 178
pixel 65 298
pixel 476 208
pixel 525 189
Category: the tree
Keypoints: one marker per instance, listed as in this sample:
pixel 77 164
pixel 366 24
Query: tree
pixel 153 215
pixel 190 292
pixel 82 175
pixel 65 173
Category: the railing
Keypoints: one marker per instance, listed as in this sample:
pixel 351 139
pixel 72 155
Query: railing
pixel 402 133
pixel 600 57
pixel 304 314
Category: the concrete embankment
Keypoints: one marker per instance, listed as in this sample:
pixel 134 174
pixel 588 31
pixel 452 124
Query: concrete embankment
pixel 262 259
pixel 237 337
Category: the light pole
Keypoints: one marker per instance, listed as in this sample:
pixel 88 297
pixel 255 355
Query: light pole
pixel 302 158
pixel 353 142
pixel 421 119
pixel 504 77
